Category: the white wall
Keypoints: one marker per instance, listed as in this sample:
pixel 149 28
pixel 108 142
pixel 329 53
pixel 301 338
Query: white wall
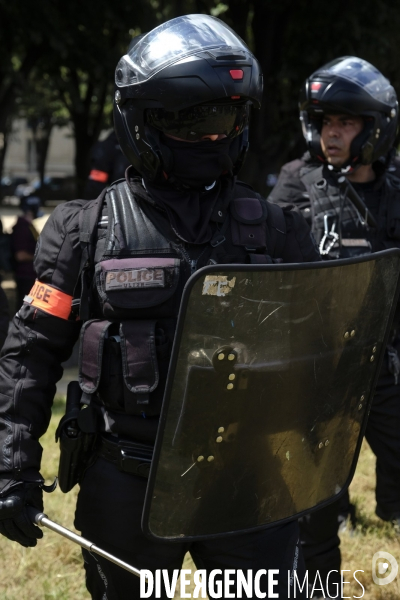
pixel 60 156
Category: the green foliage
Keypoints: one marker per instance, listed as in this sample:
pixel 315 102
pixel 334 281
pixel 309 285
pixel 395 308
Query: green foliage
pixel 293 39
pixel 64 55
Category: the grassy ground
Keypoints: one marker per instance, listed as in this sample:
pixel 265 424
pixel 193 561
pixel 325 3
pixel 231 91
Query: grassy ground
pixel 53 570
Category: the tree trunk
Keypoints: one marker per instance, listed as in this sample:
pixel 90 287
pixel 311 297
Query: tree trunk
pixel 16 83
pixel 83 144
pixel 42 147
pixel 266 144
pixel 3 150
pixel 238 14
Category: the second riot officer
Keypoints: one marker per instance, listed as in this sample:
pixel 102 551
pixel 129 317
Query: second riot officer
pixel 114 269
pixel 348 189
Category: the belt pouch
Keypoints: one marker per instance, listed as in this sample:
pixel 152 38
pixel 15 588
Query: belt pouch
pixel 139 362
pixel 91 355
pixel 248 225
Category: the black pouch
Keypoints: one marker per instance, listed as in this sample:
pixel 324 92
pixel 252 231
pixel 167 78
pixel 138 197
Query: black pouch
pixel 248 223
pixel 119 364
pixel 139 362
pixel 112 388
pixel 77 449
pixel 143 287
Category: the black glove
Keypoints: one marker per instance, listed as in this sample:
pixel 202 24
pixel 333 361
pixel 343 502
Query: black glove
pixel 14 521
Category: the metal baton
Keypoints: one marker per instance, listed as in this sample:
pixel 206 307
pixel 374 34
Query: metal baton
pixel 41 519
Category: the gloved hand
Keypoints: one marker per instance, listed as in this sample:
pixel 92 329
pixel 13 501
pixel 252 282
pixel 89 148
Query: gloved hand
pixel 14 521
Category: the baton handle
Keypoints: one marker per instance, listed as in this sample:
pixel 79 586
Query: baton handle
pixel 42 520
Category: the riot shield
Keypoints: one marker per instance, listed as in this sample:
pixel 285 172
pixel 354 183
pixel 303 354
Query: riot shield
pixel 272 373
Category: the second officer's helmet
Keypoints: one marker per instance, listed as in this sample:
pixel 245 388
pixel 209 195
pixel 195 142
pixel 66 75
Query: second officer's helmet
pixel 351 85
pixel 189 77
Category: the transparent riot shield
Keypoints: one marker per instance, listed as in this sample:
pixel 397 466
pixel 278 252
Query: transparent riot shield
pixel 272 374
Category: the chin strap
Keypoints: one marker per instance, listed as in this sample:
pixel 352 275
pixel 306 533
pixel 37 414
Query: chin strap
pixel 343 170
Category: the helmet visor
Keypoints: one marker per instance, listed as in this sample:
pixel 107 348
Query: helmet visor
pixel 364 74
pixel 173 41
pixel 192 124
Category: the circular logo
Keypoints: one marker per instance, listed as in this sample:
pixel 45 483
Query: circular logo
pixel 384 568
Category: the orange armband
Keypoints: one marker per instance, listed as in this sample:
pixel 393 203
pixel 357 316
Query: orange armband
pixel 50 300
pixel 96 175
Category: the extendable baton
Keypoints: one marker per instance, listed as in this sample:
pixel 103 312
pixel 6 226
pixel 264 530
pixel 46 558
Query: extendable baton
pixel 41 519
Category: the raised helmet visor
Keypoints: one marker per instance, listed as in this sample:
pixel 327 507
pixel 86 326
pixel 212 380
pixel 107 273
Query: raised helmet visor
pixel 173 41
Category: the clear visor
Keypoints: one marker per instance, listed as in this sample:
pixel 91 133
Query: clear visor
pixel 366 75
pixel 173 41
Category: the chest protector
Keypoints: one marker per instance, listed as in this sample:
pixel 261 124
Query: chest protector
pixel 336 223
pixel 136 278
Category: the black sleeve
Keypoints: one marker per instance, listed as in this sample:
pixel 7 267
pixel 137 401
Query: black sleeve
pixel 289 188
pixel 37 344
pixel 300 245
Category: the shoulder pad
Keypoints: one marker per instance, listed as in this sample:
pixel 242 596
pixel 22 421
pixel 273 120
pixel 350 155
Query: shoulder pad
pixel 250 211
pixel 294 165
pixel 309 168
pixel 115 183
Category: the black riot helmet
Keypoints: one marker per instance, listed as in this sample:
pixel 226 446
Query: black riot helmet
pixel 351 85
pixel 189 77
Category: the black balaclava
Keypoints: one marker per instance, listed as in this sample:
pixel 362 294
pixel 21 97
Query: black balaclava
pixel 191 167
pixel 195 164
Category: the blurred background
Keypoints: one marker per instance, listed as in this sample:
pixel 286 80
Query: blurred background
pixel 57 62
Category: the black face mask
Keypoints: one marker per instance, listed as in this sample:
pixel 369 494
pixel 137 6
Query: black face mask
pixel 194 165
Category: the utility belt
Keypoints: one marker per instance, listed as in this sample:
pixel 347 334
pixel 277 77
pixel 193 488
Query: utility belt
pixel 81 442
pixel 127 455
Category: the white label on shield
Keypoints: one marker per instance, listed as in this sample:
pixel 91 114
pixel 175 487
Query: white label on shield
pixel 218 285
pixel 134 278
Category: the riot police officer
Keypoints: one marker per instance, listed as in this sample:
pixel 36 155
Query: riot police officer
pixel 347 187
pixel 182 103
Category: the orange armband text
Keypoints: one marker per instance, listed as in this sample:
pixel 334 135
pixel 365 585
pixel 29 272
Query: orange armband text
pixel 50 300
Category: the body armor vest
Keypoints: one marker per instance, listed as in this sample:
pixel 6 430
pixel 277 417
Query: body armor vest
pixel 337 225
pixel 139 275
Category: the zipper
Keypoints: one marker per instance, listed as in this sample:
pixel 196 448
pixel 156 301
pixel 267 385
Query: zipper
pixel 192 263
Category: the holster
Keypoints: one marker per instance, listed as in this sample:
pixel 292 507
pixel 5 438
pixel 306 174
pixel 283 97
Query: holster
pixel 76 447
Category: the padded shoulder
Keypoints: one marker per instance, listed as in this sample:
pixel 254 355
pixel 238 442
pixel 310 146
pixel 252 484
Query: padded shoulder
pixel 58 251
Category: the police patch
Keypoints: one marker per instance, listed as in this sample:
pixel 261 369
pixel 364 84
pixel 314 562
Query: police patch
pixel 134 278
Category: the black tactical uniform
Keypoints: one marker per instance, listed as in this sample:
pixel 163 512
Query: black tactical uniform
pixel 341 230
pixel 105 259
pixel 107 164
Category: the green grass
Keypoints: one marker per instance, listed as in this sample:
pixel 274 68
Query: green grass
pixel 53 570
